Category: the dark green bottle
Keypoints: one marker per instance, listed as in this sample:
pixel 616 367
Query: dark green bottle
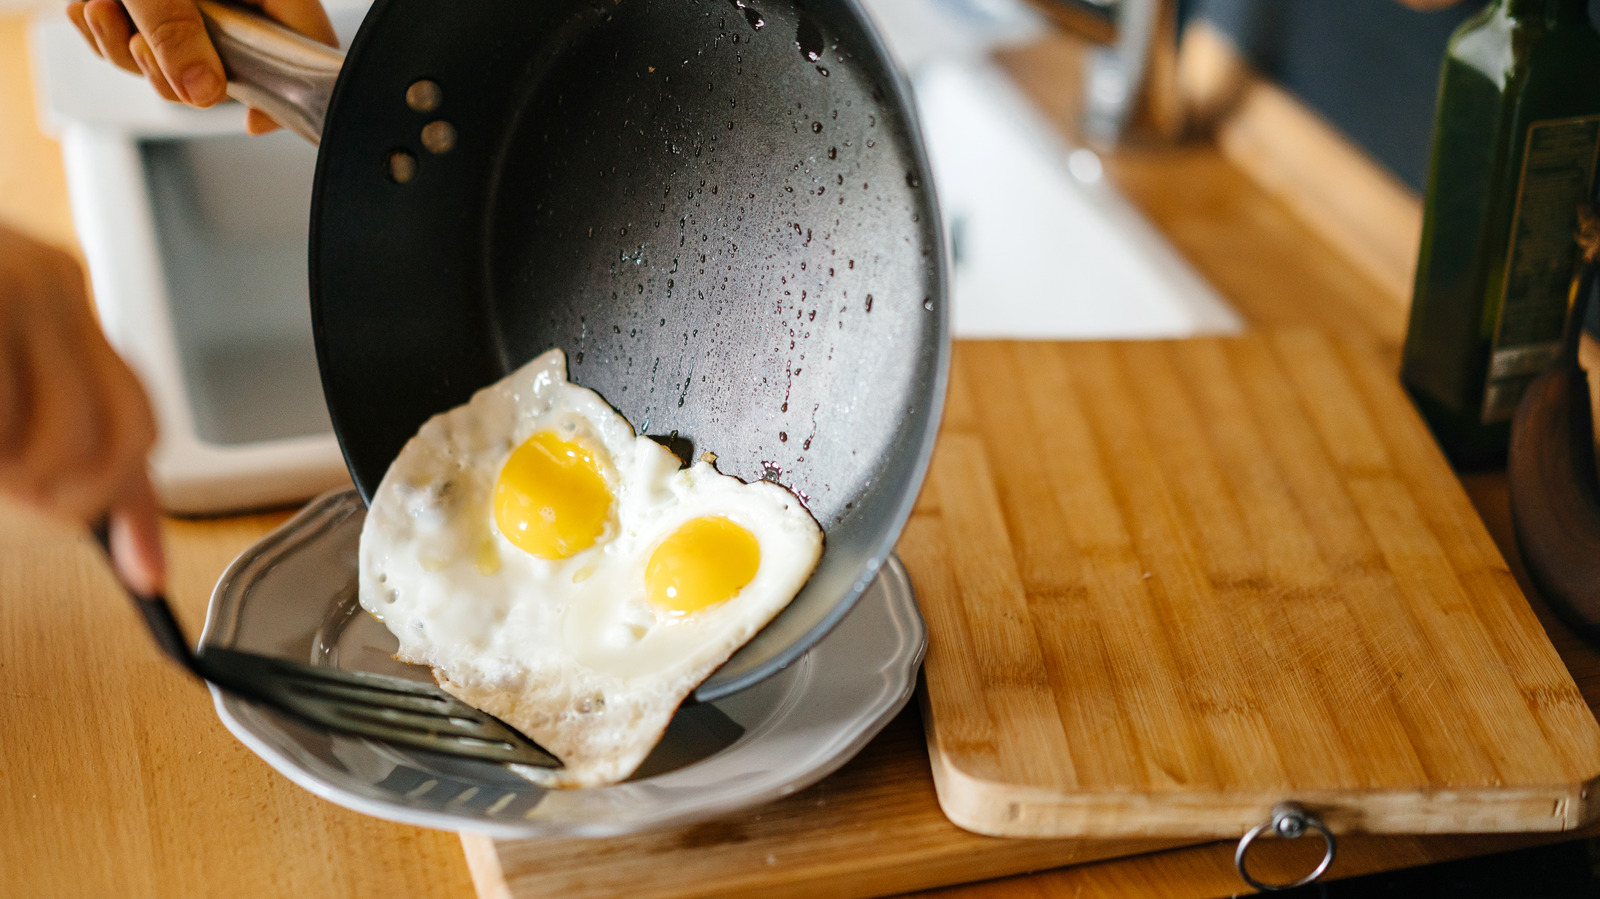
pixel 1515 142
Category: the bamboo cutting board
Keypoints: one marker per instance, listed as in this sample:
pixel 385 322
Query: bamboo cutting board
pixel 1169 584
pixel 872 828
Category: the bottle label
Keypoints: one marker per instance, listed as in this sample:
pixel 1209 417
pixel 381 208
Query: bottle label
pixel 1557 173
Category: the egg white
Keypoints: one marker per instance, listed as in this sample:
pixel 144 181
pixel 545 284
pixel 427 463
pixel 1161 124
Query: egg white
pixel 568 651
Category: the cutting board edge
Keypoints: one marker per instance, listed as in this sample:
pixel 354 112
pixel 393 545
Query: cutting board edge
pixel 1014 811
pixel 812 875
pixel 483 865
pixel 1362 438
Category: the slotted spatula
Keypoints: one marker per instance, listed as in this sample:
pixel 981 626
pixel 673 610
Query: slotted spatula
pixel 374 706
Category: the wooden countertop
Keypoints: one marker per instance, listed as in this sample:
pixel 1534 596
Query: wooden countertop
pixel 116 778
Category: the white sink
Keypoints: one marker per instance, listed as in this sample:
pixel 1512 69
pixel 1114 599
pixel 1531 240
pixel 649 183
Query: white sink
pixel 1042 246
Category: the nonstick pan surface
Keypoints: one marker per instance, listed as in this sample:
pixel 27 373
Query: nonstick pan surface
pixel 720 211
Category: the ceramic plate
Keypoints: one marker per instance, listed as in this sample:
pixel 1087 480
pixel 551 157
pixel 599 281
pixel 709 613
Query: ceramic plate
pixel 294 595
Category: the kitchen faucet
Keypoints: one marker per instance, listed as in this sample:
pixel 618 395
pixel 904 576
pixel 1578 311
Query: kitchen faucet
pixel 1130 82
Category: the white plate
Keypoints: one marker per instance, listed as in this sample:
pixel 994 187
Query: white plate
pixel 293 595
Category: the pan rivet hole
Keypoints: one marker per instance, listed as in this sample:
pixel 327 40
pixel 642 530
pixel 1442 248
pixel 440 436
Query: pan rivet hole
pixel 402 167
pixel 424 96
pixel 439 137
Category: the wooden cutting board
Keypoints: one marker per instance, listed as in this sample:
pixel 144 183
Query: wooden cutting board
pixel 872 828
pixel 1167 584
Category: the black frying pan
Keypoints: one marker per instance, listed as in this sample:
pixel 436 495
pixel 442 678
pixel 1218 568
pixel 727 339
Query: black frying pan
pixel 719 209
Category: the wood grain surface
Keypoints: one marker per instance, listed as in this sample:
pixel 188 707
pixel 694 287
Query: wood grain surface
pixel 1168 584
pixel 33 180
pixel 872 828
pixel 116 779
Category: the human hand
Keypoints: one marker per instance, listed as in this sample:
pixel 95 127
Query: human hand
pixel 166 41
pixel 75 425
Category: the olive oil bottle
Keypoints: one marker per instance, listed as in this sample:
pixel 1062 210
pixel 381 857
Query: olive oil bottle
pixel 1515 142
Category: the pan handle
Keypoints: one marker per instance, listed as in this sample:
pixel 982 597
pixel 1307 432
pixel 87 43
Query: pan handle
pixel 285 75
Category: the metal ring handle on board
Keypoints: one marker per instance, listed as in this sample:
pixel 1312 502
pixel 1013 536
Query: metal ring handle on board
pixel 1289 821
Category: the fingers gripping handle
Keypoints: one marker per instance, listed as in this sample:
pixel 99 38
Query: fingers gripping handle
pixel 157 614
pixel 285 75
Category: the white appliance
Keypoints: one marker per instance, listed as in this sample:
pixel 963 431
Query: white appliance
pixel 195 236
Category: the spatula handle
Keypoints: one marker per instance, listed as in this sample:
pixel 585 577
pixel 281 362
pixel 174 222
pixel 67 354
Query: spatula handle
pixel 155 611
pixel 285 75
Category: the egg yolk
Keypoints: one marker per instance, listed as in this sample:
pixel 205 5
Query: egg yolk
pixel 707 561
pixel 550 499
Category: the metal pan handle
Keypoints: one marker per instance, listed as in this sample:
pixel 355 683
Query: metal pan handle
pixel 285 75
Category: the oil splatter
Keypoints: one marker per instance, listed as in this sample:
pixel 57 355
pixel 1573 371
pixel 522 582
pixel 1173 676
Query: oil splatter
pixel 808 39
pixel 751 14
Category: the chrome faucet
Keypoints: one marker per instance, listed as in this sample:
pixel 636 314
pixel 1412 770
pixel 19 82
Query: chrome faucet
pixel 1130 85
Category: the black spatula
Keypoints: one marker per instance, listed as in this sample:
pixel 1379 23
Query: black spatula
pixel 374 706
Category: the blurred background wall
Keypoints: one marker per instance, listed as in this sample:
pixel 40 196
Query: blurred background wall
pixel 1370 67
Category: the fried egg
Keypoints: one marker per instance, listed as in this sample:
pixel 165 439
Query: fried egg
pixel 568 576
